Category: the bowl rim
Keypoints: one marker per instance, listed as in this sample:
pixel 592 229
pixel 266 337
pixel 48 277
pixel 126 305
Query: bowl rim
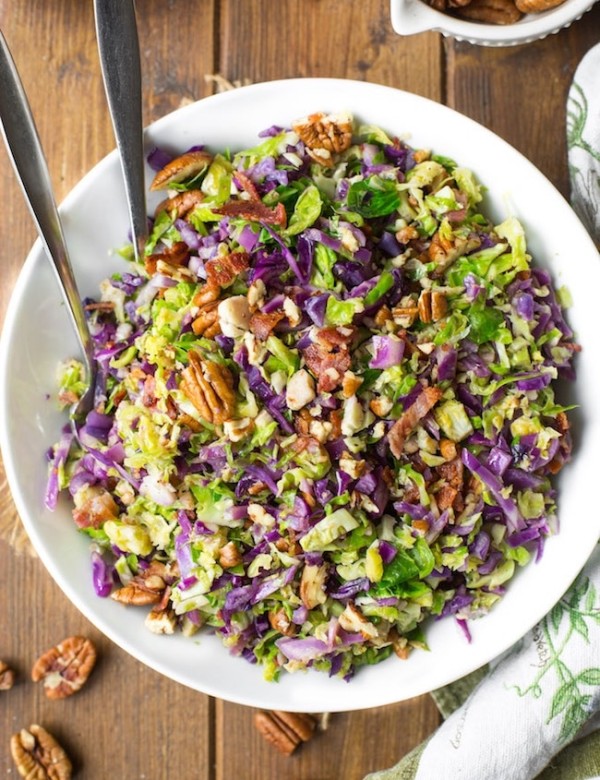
pixel 295 701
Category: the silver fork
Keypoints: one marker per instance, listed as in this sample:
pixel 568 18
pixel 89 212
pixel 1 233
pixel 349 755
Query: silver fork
pixel 119 50
pixel 25 150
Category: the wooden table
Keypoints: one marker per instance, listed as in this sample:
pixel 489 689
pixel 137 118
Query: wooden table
pixel 130 722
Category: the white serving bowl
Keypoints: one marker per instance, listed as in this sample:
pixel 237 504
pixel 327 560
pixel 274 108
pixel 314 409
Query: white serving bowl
pixel 416 16
pixel 37 335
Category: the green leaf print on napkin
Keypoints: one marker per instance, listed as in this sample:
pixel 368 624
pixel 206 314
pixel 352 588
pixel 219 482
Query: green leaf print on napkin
pixel 571 616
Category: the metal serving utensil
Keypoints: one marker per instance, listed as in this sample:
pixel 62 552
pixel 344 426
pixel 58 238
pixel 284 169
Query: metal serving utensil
pixel 119 50
pixel 25 150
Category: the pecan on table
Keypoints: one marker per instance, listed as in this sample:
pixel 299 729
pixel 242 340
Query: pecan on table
pixel 38 756
pixel 7 677
pixel 65 668
pixel 285 730
pixel 209 387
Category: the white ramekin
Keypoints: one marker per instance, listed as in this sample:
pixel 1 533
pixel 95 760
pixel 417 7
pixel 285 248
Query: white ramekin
pixel 415 16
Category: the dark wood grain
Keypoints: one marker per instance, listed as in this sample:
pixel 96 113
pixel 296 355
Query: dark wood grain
pixel 130 722
pixel 520 92
pixel 264 40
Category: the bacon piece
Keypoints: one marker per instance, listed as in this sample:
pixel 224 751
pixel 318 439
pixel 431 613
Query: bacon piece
pixel 262 324
pixel 328 367
pixel 254 211
pixel 405 424
pixel 335 337
pixel 97 507
pixel 328 357
pixel 452 473
pixel 445 497
pixel 221 271
pixel 247 185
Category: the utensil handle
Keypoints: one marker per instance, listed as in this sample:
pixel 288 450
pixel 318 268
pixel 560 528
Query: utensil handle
pixel 119 50
pixel 25 150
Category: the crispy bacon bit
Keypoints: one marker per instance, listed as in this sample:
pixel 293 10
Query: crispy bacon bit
pixel 445 497
pixel 302 422
pixel 328 357
pixel 149 391
pixel 327 366
pixel 97 507
pixel 221 271
pixel 452 473
pixel 562 422
pixel 254 211
pixel 262 324
pixel 246 183
pixel 398 433
pixel 420 525
pixel 175 255
pixel 335 418
pixel 335 337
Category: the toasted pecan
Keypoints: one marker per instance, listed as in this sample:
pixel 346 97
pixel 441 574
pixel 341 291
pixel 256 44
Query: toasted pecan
pixel 186 166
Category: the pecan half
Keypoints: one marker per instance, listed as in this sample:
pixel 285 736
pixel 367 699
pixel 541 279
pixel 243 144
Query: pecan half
pixel 205 294
pixel 38 756
pixel 230 555
pixel 536 6
pixel 149 586
pixel 285 730
pixel 444 251
pixel 425 306
pixel 279 620
pixel 312 586
pixel 65 668
pixel 180 204
pixel 176 255
pixel 186 166
pixel 207 322
pixel 439 305
pixel 490 11
pixel 210 388
pixel 321 131
pixel 7 677
pixel 135 595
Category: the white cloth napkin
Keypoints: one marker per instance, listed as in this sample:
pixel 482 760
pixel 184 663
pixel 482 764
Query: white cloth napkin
pixel 544 692
pixel 583 141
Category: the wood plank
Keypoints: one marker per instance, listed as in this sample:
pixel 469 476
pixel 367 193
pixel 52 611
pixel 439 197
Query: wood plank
pixel 353 744
pixel 129 721
pixel 333 38
pixel 520 92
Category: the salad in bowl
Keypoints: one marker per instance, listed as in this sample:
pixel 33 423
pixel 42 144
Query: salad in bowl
pixel 326 407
